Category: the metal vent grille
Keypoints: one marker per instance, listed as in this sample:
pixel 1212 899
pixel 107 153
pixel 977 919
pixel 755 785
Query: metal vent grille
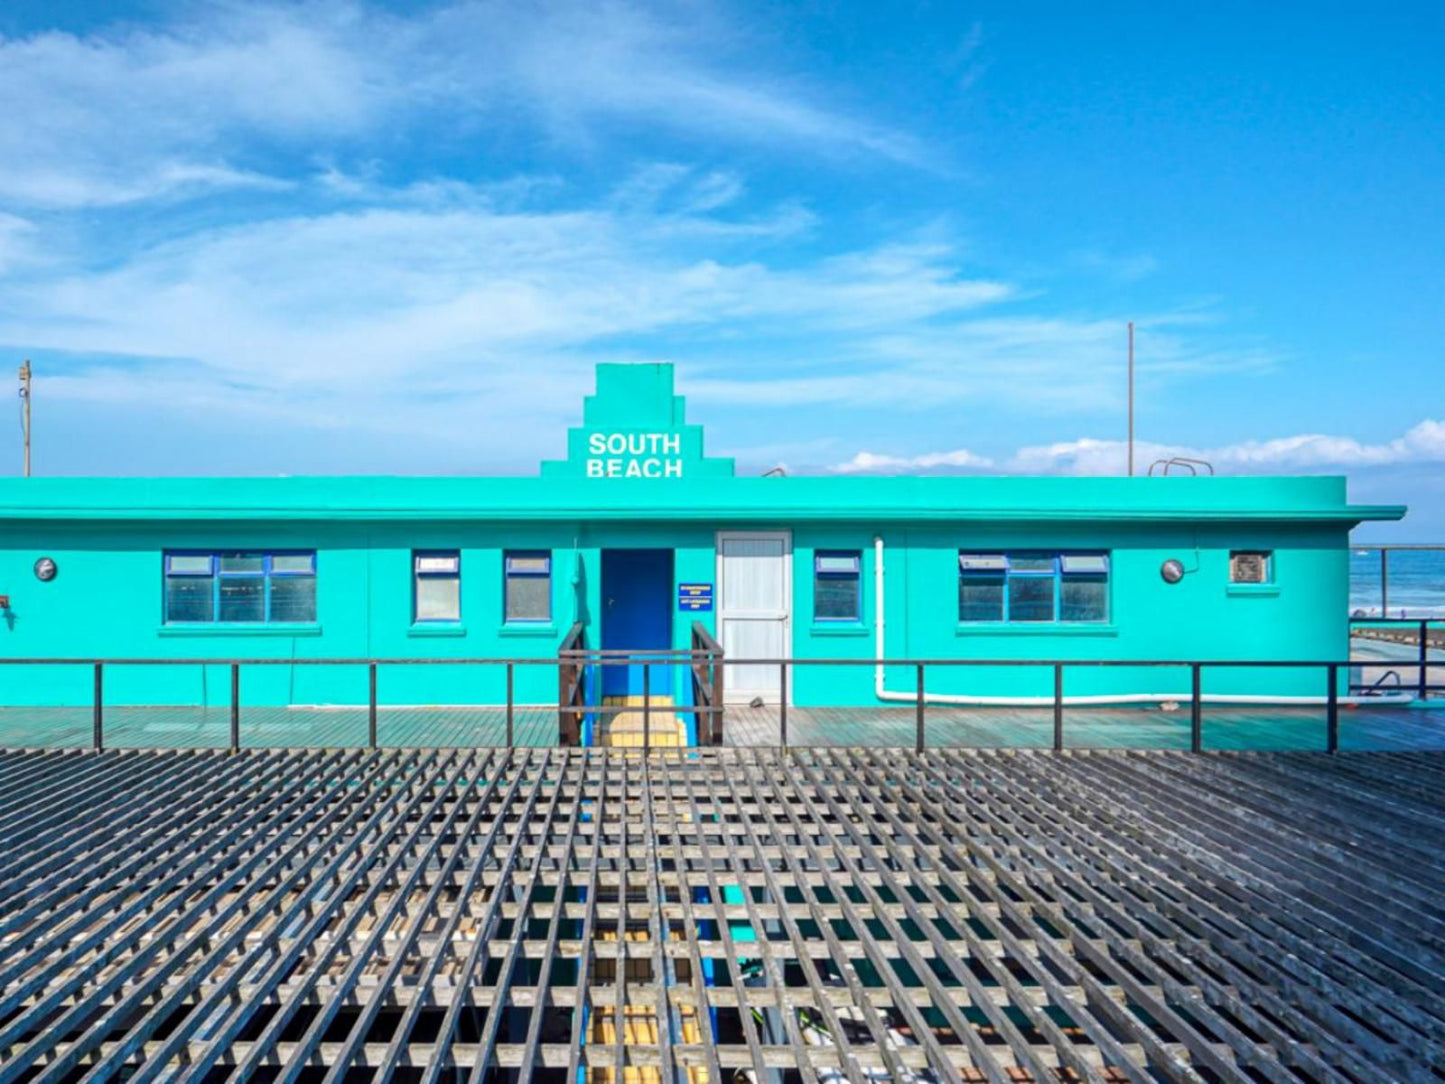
pixel 1248 567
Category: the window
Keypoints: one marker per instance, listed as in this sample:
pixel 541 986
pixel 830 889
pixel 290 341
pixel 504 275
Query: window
pixel 240 588
pixel 528 585
pixel 1251 566
pixel 437 586
pixel 835 585
pixel 1033 587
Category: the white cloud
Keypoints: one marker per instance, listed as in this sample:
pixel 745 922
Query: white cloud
pixel 1303 454
pixel 216 99
pixel 870 463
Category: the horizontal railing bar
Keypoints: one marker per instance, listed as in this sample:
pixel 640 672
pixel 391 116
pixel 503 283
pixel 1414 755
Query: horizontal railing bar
pixel 1399 546
pixel 623 661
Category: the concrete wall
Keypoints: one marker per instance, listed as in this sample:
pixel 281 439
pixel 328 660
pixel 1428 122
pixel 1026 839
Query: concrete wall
pixel 1301 615
pixel 106 601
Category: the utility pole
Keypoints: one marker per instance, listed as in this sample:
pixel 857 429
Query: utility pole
pixel 25 410
pixel 1131 398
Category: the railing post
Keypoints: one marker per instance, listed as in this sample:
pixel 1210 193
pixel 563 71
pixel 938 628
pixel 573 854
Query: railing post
pixel 1196 712
pixel 783 705
pixel 371 706
pixel 1424 659
pixel 97 724
pixel 719 707
pixel 646 707
pixel 918 714
pixel 1058 707
pixel 235 707
pixel 1384 582
pixel 510 700
pixel 1332 713
pixel 564 727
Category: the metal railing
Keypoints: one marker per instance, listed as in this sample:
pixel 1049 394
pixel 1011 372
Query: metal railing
pixel 707 667
pixel 1425 631
pixel 1384 551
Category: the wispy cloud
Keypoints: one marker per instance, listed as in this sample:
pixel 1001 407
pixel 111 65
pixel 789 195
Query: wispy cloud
pixel 214 99
pixel 1302 454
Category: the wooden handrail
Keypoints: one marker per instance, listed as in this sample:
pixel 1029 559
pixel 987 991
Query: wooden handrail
pixel 707 684
pixel 571 685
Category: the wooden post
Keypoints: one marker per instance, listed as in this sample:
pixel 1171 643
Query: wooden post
pixel 718 704
pixel 566 721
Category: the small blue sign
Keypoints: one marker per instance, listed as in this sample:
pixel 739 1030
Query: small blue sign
pixel 694 597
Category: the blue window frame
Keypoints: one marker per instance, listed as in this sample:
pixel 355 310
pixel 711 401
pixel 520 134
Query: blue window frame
pixel 1033 587
pixel 436 586
pixel 836 583
pixel 527 591
pixel 240 587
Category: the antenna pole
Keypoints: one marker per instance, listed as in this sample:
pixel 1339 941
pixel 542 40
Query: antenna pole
pixel 25 410
pixel 1131 398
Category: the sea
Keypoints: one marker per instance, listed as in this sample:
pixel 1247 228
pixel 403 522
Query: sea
pixel 1416 583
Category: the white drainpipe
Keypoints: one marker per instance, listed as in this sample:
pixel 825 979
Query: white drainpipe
pixel 1044 701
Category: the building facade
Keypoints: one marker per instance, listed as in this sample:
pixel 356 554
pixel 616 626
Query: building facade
pixel 637 534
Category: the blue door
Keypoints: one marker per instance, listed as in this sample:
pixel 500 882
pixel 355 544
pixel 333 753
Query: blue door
pixel 636 616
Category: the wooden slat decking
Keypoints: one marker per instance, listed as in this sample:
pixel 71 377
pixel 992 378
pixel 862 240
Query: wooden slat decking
pixel 1225 728
pixel 276 727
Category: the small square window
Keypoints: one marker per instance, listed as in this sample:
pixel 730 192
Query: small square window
pixel 836 585
pixel 528 586
pixel 1251 566
pixel 437 586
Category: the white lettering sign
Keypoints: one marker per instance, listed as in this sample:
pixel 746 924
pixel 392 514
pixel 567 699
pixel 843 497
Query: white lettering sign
pixel 634 455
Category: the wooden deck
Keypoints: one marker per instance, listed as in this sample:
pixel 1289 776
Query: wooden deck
pixel 277 727
pixel 1225 728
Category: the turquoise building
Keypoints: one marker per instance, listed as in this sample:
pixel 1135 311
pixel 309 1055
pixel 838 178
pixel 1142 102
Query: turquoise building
pixel 637 534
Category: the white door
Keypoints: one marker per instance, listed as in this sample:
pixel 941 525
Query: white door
pixel 755 592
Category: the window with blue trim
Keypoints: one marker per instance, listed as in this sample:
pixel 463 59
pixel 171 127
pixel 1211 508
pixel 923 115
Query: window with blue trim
pixel 1065 588
pixel 436 586
pixel 836 583
pixel 234 587
pixel 528 587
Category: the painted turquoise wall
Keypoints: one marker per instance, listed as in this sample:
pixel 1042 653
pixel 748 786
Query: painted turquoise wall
pixel 1301 615
pixel 106 602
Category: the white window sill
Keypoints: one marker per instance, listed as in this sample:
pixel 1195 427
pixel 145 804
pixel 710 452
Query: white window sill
pixel 1256 590
pixel 519 628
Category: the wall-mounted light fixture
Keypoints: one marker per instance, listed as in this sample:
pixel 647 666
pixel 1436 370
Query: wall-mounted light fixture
pixel 1172 570
pixel 45 569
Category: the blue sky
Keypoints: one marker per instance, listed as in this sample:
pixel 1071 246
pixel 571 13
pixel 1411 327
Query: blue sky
pixel 346 237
